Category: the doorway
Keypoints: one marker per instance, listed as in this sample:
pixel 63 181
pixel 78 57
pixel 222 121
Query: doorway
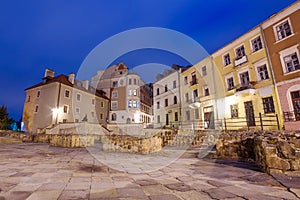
pixel 249 113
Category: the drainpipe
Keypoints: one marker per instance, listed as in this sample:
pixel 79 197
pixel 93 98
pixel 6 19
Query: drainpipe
pixel 272 71
pixel 215 88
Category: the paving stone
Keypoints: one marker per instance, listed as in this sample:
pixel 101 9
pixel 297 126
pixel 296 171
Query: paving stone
pixel 193 195
pixel 130 192
pixel 104 193
pixel 155 190
pixel 218 193
pixel 179 187
pixel 144 182
pixel 164 197
pixel 17 195
pixel 74 194
pixel 53 186
pixel 45 195
pixel 217 183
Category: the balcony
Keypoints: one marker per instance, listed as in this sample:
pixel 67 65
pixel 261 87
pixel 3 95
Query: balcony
pixel 194 82
pixel 245 89
pixel 240 60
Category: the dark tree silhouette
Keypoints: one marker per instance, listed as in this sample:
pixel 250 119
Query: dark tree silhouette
pixel 5 121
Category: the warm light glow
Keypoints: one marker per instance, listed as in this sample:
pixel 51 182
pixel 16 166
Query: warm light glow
pixel 55 111
pixel 195 105
pixel 137 117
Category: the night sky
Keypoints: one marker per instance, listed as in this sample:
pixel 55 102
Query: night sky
pixel 40 34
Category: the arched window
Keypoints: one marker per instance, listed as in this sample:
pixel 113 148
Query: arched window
pixel 175 99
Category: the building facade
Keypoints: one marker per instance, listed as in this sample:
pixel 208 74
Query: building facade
pixel 62 99
pixel 130 97
pixel 166 100
pixel 282 34
pixel 247 78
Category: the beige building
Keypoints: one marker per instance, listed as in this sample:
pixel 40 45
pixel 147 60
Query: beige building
pixel 166 99
pixel 130 97
pixel 62 99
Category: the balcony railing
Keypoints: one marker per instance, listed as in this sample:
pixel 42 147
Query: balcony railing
pixel 194 82
pixel 242 87
pixel 290 116
pixel 240 60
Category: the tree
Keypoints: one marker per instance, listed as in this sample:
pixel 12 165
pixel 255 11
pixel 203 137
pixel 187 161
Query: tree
pixel 5 121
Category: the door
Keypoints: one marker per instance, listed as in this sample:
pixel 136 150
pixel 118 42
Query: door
pixel 167 119
pixel 249 113
pixel 209 120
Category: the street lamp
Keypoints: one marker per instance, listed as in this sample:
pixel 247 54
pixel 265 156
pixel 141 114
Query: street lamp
pixel 195 105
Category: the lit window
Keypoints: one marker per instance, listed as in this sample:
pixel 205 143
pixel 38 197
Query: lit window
pixel 129 92
pixel 129 104
pixel 134 92
pixel 134 104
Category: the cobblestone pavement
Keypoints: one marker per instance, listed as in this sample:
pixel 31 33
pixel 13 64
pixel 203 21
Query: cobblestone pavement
pixel 39 171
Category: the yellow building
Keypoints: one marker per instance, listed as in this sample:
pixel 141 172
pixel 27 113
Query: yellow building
pixel 250 98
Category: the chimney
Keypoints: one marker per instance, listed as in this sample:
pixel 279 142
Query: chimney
pixel 85 84
pixel 71 78
pixel 49 73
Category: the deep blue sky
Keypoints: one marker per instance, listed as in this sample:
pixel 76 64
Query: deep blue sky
pixel 40 34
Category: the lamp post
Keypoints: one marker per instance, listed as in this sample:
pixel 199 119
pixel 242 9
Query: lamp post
pixel 195 105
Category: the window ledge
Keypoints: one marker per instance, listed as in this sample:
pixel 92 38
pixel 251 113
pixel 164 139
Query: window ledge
pixel 277 41
pixel 293 72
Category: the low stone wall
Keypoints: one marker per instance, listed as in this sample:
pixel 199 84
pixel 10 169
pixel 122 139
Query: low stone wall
pixel 276 151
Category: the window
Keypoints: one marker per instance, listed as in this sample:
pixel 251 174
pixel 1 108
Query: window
pixel 188 116
pixel 291 62
pixel 185 80
pixel 130 81
pixel 115 84
pixel 206 91
pixel 77 110
pixel 175 99
pixel 174 84
pixel 158 119
pixel 166 88
pixel 67 93
pixel 157 91
pixel 283 30
pixel 186 97
pixel 76 120
pixel 78 97
pixel 134 92
pixel 204 72
pixel 134 81
pixel 157 105
pixel 244 78
pixel 234 111
pixel 195 94
pixel 129 104
pixel 64 120
pixel 226 59
pixel 28 99
pixel 101 115
pixel 134 104
pixel 194 79
pixel 101 104
pixel 114 117
pixel 93 114
pixel 263 72
pixel 36 108
pixel 114 94
pixel 256 44
pixel 197 115
pixel 296 104
pixel 66 108
pixel 93 101
pixel 114 104
pixel 268 105
pixel 38 94
pixel 240 52
pixel 176 116
pixel 121 81
pixel 166 102
pixel 230 83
